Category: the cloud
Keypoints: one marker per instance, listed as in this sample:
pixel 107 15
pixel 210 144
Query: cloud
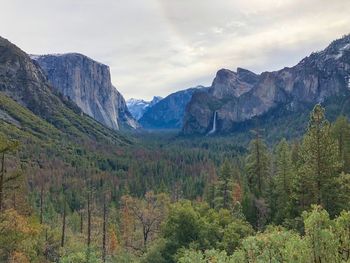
pixel 155 47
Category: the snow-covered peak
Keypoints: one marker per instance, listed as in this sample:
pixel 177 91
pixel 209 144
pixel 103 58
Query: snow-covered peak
pixel 137 107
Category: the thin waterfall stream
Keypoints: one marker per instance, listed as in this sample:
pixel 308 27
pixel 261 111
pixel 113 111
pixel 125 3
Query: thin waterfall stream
pixel 213 130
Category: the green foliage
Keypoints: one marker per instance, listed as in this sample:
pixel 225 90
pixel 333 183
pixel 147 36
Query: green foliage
pixel 341 133
pixel 198 226
pixel 224 187
pixel 325 240
pixel 257 166
pixel 19 235
pixel 320 236
pixel 283 181
pixel 319 163
pixel 266 187
pixel 88 256
pixel 192 256
pixel 343 192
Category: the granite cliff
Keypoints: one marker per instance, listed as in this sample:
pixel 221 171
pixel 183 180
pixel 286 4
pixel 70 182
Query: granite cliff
pixel 88 84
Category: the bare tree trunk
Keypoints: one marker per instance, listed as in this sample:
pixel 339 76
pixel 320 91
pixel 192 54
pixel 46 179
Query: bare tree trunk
pixel 14 200
pixel 225 203
pixel 319 199
pixel 81 222
pixel 258 163
pixel 63 224
pixel 2 175
pixel 41 203
pixel 89 221
pixel 104 229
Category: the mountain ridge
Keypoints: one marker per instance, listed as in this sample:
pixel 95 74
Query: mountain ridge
pixel 237 99
pixel 168 113
pixel 138 107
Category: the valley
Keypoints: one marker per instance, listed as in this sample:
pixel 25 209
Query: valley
pixel 254 168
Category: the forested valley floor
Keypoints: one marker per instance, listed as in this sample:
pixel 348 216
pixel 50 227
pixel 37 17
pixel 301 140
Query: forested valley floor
pixel 166 198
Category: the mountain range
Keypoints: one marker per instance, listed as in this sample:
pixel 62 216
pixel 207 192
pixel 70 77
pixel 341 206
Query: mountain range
pixel 138 107
pixel 236 98
pixel 64 89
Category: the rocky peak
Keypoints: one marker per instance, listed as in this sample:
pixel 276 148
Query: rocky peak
pixel 138 107
pixel 228 83
pixel 87 83
pixel 247 76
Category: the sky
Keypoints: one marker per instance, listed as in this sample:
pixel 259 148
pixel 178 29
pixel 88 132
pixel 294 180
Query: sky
pixel 156 47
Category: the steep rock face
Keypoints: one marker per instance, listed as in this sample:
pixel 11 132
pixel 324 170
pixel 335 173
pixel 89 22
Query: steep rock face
pixel 229 83
pixel 88 84
pixel 169 112
pixel 23 81
pixel 241 96
pixel 138 107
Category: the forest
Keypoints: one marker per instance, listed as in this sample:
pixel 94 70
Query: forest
pixel 167 198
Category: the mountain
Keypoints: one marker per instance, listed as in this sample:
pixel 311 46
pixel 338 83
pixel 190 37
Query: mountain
pixel 138 107
pixel 88 84
pixel 169 112
pixel 238 97
pixel 32 110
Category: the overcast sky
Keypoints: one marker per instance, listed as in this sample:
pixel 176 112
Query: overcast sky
pixel 155 47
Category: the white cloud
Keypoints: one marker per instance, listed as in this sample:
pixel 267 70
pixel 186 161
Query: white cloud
pixel 155 47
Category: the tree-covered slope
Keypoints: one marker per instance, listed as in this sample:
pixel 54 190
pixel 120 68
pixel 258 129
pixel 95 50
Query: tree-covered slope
pixel 24 82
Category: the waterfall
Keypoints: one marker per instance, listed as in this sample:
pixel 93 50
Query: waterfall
pixel 213 130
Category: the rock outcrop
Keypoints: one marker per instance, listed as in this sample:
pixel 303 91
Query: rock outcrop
pixel 242 95
pixel 88 84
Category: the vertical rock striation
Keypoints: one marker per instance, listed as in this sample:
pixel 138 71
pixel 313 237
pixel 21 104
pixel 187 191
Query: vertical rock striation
pixel 88 84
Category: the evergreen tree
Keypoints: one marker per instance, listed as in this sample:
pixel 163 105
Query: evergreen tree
pixel 257 166
pixel 283 179
pixel 224 187
pixel 259 182
pixel 341 133
pixel 319 165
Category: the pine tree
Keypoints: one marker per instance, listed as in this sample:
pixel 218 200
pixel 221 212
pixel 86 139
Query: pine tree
pixel 319 163
pixel 257 166
pixel 283 179
pixel 224 186
pixel 341 133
